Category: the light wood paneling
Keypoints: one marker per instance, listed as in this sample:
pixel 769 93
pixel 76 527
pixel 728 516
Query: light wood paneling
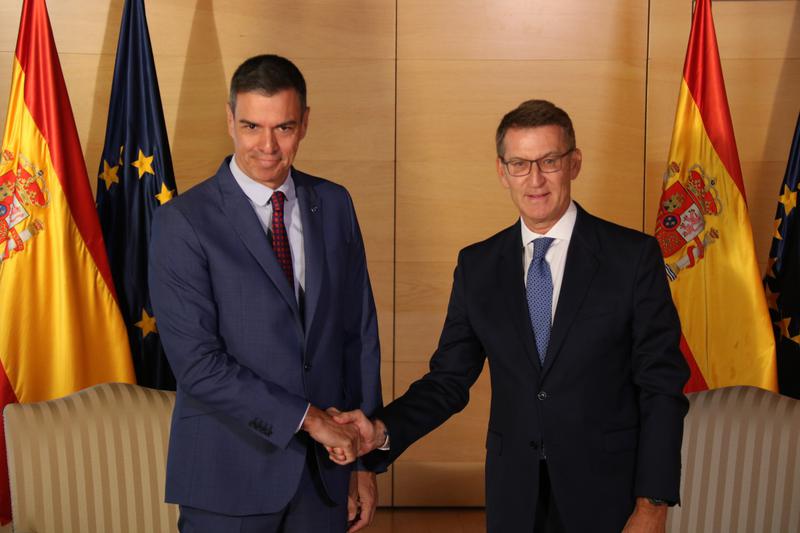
pixel 761 29
pixel 439 483
pixel 510 29
pixel 444 206
pixel 448 112
pixel 301 28
pixel 422 292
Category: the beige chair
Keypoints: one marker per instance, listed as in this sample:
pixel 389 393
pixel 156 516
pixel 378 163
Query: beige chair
pixel 92 462
pixel 741 464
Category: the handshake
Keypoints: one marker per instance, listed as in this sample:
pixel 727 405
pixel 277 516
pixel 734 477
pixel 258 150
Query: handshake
pixel 346 436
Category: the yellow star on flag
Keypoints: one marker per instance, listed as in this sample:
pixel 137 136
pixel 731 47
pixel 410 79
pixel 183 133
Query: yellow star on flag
pixel 777 234
pixel 144 164
pixel 795 339
pixel 147 324
pixel 788 199
pixel 165 195
pixel 109 174
pixel 772 299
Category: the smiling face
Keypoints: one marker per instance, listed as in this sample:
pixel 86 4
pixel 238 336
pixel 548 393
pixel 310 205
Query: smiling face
pixel 542 199
pixel 266 133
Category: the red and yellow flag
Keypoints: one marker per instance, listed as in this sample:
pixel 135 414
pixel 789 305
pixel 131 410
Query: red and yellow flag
pixel 705 234
pixel 60 326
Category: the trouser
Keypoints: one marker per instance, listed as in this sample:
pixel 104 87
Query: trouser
pixel 309 511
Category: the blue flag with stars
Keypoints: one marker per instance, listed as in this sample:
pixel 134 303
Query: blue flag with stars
pixel 783 274
pixel 135 177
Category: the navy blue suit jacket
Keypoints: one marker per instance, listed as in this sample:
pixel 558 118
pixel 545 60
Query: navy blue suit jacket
pixel 246 360
pixel 607 404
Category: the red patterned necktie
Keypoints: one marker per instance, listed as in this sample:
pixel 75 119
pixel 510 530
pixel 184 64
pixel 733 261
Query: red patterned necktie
pixel 280 241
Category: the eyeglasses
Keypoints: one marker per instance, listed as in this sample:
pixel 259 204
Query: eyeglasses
pixel 519 167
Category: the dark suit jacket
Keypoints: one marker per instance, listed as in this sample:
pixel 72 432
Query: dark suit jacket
pixel 608 403
pixel 245 359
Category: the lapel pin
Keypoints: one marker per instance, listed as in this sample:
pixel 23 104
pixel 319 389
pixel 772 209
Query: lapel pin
pixel 314 208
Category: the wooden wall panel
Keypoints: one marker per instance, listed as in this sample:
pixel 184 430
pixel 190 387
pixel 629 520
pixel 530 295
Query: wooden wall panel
pixel 514 29
pixel 405 98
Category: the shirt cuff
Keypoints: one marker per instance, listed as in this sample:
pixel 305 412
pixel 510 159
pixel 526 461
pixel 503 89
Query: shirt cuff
pixel 385 446
pixel 300 425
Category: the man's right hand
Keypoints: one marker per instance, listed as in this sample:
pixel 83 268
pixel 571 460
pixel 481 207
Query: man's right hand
pixel 343 438
pixel 372 432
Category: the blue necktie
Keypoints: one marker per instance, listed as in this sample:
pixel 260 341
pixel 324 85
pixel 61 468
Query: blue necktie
pixel 540 295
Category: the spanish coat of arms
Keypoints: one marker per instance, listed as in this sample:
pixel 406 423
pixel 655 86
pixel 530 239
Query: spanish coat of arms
pixel 22 187
pixel 681 225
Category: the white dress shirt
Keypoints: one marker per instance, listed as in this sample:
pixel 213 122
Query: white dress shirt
pixel 259 196
pixel 556 256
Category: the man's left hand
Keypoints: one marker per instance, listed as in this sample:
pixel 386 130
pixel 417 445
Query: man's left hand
pixel 647 518
pixel 362 499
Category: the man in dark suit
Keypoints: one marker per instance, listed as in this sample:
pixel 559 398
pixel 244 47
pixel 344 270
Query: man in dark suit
pixel 259 282
pixel 575 317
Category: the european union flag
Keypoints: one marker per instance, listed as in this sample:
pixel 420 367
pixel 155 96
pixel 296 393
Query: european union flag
pixel 783 273
pixel 135 177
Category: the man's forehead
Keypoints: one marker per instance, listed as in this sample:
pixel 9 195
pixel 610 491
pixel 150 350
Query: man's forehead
pixel 287 99
pixel 544 139
pixel 257 107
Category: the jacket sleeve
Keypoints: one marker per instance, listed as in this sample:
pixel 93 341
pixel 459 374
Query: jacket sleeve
pixel 183 299
pixel 659 373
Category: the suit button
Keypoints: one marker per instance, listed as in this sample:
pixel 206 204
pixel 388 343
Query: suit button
pixel 534 445
pixel 307 367
pixel 542 395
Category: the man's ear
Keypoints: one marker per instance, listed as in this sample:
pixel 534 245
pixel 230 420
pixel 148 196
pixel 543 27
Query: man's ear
pixel 576 159
pixel 231 121
pixel 501 172
pixel 304 123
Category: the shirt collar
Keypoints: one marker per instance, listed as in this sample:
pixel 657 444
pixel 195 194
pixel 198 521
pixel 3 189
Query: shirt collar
pixel 257 193
pixel 562 230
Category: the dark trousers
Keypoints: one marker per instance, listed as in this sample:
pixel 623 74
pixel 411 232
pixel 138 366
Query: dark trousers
pixel 547 518
pixel 309 511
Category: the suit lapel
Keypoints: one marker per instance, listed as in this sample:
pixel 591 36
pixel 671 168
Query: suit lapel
pixel 513 291
pixel 579 271
pixel 247 226
pixel 313 242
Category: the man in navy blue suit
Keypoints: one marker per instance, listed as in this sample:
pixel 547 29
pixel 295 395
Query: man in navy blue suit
pixel 259 283
pixel 575 317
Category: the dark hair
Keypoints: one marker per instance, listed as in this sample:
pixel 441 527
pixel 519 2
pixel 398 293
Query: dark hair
pixel 532 114
pixel 267 74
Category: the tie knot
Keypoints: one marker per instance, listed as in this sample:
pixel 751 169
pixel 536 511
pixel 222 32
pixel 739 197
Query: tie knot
pixel 540 247
pixel 277 200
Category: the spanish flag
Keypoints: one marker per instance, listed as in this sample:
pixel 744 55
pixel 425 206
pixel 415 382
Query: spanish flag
pixel 60 326
pixel 705 234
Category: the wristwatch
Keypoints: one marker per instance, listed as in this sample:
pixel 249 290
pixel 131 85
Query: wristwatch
pixel 657 501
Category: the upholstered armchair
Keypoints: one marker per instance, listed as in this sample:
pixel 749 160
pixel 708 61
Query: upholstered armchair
pixel 92 462
pixel 741 464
